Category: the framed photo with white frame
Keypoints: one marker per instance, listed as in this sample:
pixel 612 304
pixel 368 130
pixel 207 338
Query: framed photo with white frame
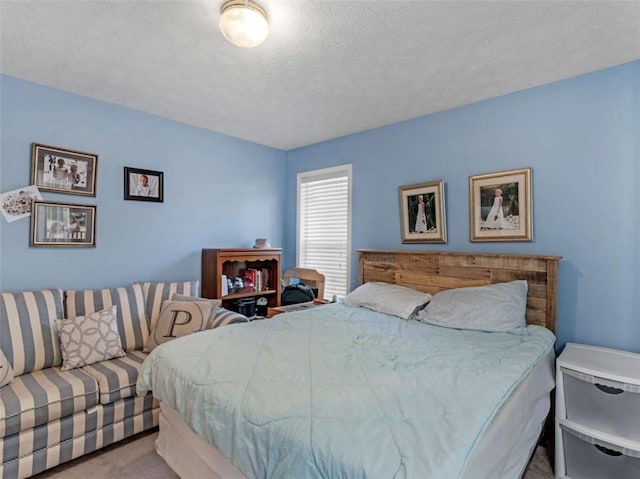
pixel 422 212
pixel 500 206
pixel 59 170
pixel 63 224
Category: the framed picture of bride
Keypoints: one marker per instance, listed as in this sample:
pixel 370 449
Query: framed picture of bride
pixel 500 206
pixel 422 212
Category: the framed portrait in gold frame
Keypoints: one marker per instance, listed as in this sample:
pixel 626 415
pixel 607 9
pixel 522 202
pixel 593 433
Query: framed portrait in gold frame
pixel 422 212
pixel 60 170
pixel 500 206
pixel 63 224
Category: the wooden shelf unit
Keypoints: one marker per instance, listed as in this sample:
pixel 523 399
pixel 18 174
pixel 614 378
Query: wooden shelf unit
pixel 231 262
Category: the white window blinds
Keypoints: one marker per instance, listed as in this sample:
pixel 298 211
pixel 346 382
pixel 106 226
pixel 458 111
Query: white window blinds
pixel 324 225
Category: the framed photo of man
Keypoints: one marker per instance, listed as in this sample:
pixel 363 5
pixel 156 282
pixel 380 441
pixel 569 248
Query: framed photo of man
pixel 143 185
pixel 59 170
pixel 500 206
pixel 422 212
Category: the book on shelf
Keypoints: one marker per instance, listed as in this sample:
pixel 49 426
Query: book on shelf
pixel 224 286
pixel 252 276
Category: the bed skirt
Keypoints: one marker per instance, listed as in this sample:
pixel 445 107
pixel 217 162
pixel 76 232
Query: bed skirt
pixel 189 455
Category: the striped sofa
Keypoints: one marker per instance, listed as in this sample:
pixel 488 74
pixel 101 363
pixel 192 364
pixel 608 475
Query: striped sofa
pixel 49 416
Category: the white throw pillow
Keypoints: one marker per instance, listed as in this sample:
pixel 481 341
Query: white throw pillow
pixel 499 308
pixel 177 319
pixel 388 298
pixel 6 371
pixel 89 339
pixel 215 304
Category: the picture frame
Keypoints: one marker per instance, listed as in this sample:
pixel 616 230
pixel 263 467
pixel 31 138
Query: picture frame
pixel 500 206
pixel 63 224
pixel 422 213
pixel 143 185
pixel 16 204
pixel 61 170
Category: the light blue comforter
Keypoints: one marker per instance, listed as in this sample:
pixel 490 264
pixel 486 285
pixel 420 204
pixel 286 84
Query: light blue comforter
pixel 341 392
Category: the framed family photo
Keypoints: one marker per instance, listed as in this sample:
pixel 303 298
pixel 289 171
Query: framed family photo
pixel 143 185
pixel 63 224
pixel 500 206
pixel 63 171
pixel 422 212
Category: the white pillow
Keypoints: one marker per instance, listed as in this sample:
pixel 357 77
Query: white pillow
pixel 177 319
pixel 6 372
pixel 494 308
pixel 388 298
pixel 215 304
pixel 89 339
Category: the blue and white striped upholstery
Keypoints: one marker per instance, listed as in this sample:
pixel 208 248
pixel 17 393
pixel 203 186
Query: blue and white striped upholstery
pixel 224 317
pixel 156 293
pixel 61 440
pixel 49 416
pixel 28 336
pixel 117 377
pixel 41 396
pixel 132 323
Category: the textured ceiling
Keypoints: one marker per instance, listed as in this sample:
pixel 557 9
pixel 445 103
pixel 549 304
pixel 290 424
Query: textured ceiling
pixel 328 69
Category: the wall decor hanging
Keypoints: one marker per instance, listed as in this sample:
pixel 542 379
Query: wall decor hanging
pixel 63 171
pixel 500 206
pixel 63 224
pixel 422 211
pixel 16 204
pixel 143 185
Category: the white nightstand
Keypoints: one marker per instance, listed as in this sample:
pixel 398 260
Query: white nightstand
pixel 597 413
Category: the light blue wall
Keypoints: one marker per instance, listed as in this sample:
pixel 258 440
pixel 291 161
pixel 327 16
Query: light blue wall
pixel 219 191
pixel 580 136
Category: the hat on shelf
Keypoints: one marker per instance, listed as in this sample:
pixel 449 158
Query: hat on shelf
pixel 262 243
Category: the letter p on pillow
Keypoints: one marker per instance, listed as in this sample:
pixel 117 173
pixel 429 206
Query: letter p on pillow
pixel 177 319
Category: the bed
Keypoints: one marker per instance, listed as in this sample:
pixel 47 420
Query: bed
pixel 338 391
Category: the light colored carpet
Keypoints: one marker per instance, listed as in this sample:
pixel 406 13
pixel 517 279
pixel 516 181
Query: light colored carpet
pixel 539 467
pixel 137 458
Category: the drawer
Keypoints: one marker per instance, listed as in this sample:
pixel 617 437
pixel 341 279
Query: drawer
pixel 602 404
pixel 589 458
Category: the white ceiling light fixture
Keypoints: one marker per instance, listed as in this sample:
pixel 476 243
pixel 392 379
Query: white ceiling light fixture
pixel 244 23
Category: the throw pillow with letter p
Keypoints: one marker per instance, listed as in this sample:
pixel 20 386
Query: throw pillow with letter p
pixel 177 319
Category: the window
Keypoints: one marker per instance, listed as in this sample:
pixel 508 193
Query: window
pixel 324 225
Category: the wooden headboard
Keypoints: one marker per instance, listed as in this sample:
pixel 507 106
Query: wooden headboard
pixel 434 271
